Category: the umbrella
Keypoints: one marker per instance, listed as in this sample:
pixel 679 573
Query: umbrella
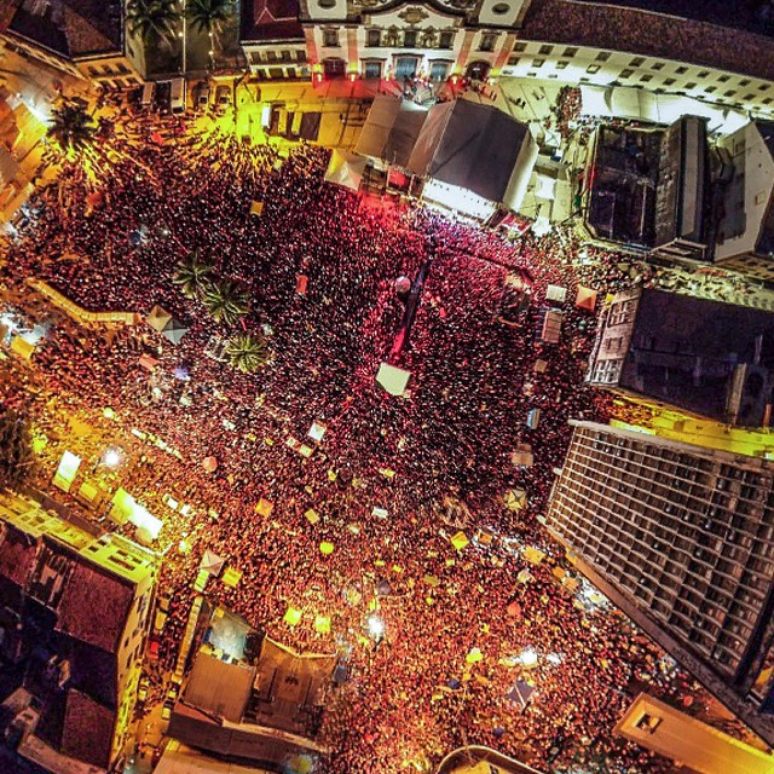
pixel 210 464
pixel 181 372
pixel 514 609
pixel 586 299
pixel 520 693
pixel 212 562
pixel 135 238
pixel 474 656
pixel 498 732
pixel 383 588
pixel 326 548
pixel 174 330
pixel 157 139
pixel 454 684
pixel 158 318
pixel 95 199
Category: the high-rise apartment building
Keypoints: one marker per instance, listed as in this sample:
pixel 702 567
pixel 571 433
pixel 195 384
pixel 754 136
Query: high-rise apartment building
pixel 681 538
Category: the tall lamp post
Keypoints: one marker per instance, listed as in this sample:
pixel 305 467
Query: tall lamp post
pixel 183 38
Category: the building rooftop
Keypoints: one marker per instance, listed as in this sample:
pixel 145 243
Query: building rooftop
pixel 270 20
pixel 765 243
pixel 639 31
pixel 72 28
pixel 684 350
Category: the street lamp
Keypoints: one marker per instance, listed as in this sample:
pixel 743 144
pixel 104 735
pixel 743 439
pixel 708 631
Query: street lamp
pixel 112 458
pixel 528 657
pixel 376 627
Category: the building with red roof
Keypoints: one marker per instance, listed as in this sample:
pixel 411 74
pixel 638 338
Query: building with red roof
pixel 74 618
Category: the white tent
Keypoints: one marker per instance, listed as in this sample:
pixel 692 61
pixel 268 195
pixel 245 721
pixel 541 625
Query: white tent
pixel 212 563
pixel 393 379
pixel 345 169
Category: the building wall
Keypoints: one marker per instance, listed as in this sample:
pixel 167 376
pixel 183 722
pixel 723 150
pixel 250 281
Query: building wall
pixel 573 65
pixel 40 54
pixel 114 72
pixel 614 334
pixel 685 534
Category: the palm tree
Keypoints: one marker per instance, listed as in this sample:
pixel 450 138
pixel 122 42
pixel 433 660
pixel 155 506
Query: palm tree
pixel 153 21
pixel 247 352
pixel 72 127
pixel 226 300
pixel 209 16
pixel 192 275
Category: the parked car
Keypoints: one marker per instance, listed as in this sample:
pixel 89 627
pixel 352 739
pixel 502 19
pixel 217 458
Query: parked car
pixel 142 690
pixel 203 95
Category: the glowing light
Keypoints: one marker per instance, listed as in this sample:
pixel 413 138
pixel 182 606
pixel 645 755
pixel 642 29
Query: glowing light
pixel 112 458
pixel 528 657
pixel 375 627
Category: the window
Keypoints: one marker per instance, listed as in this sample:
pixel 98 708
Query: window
pixel 638 61
pixel 570 52
pixel 627 73
pixel 729 93
pixel 703 73
pixel 330 38
pixel 373 70
pixel 592 68
pixel 545 50
pixel 744 82
pixel 410 38
pixel 374 38
pixel 500 9
pixel 561 65
pixel 538 62
pixel 710 89
pixel 447 38
pixel 724 78
pixel 748 97
pixel 691 85
pixel 439 71
pixel 657 66
pixel 767 101
pixel 488 40
pixel 646 78
pixel 669 81
pixel 514 60
pixel 764 87
pixel 681 70
pixel 520 47
pixel 603 56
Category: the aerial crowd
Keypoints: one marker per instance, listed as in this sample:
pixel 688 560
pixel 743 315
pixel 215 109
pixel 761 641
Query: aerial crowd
pixel 393 477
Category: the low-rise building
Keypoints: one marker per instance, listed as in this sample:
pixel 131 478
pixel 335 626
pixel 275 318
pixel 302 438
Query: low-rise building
pixel 707 358
pixel 74 619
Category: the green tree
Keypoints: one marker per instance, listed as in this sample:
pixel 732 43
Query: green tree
pixel 247 352
pixel 16 456
pixel 192 275
pixel 209 16
pixel 226 300
pixel 153 21
pixel 72 128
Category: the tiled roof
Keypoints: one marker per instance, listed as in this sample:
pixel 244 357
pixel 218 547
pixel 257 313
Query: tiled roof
pixel 17 556
pixel 87 733
pixel 637 31
pixel 94 607
pixel 72 28
pixel 270 20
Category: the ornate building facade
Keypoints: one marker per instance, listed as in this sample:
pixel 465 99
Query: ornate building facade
pixel 388 40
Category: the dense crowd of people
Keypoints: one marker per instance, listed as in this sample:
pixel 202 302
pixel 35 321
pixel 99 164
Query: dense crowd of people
pixel 444 447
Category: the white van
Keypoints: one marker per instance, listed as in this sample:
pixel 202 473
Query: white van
pixel 148 93
pixel 177 95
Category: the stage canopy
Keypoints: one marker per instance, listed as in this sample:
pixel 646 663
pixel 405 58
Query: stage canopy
pixel 345 169
pixel 212 562
pixel 586 299
pixel 476 147
pixel 391 129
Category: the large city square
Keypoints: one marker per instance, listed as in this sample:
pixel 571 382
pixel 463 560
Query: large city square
pixel 336 416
